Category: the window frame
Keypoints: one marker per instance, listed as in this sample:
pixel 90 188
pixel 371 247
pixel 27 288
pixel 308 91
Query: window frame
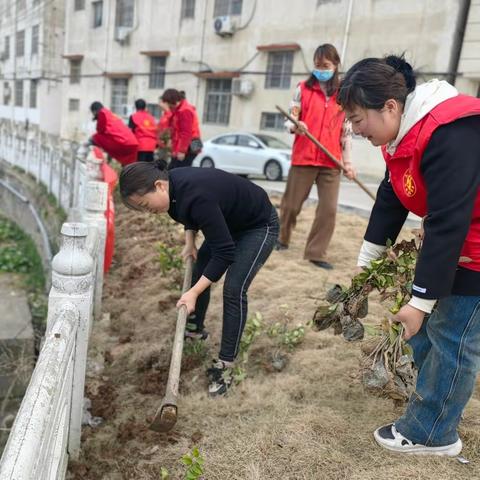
pixel 219 99
pixel 279 80
pixel 115 82
pixel 187 9
pixel 75 71
pixel 97 5
pixel 156 78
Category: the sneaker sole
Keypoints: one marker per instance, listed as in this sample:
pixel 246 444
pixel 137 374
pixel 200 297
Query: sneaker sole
pixel 447 451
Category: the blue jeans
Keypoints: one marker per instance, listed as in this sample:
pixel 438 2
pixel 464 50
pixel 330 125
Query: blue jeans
pixel 447 354
pixel 252 249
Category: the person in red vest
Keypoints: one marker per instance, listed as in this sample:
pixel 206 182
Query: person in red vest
pixel 314 106
pixel 430 138
pixel 143 126
pixel 184 127
pixel 113 135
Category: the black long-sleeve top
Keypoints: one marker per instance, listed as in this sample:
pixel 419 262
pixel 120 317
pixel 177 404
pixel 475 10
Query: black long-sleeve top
pixel 219 204
pixel 451 169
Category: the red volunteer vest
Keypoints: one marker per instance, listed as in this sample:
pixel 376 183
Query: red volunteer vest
pixel 145 131
pixel 180 139
pixel 404 167
pixel 115 137
pixel 324 120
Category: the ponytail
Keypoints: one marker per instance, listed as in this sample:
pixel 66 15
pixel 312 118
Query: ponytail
pixel 373 81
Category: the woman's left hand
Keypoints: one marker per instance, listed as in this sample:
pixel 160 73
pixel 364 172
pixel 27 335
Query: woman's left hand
pixel 349 171
pixel 411 318
pixel 189 299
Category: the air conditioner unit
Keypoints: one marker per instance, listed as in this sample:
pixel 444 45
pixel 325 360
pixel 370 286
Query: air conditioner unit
pixel 242 87
pixel 122 33
pixel 224 26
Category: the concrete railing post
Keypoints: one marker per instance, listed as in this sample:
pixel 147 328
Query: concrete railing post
pixel 72 281
pixel 96 196
pixel 80 175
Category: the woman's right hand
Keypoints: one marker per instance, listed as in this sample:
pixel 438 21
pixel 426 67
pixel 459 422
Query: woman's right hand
pixel 300 129
pixel 189 250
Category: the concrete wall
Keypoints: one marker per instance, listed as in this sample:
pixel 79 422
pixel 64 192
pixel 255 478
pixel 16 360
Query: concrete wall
pixel 19 212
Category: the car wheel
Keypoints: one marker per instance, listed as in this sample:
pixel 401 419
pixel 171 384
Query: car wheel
pixel 207 162
pixel 273 170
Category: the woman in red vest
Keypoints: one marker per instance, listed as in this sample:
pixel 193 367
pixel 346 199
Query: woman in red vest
pixel 143 126
pixel 431 143
pixel 314 105
pixel 184 128
pixel 113 135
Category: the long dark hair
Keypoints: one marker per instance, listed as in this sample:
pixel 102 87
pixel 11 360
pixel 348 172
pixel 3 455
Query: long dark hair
pixel 139 178
pixel 329 52
pixel 372 81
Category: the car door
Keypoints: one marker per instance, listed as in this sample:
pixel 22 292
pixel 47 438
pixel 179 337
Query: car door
pixel 224 152
pixel 250 155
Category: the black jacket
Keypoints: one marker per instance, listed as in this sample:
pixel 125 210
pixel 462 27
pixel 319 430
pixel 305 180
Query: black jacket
pixel 221 205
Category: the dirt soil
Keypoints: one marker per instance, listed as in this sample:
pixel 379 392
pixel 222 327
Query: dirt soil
pixel 311 421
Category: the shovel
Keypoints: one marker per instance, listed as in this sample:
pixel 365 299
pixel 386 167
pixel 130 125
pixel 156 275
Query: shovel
pixel 166 416
pixel 326 152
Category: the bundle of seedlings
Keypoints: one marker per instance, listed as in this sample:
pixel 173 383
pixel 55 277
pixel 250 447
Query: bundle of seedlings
pixel 387 362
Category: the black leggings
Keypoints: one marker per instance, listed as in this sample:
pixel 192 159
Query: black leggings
pixel 252 248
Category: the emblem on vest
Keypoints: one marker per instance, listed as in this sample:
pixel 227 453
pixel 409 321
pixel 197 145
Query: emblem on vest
pixel 409 184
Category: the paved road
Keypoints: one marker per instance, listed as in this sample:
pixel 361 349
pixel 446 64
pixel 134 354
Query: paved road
pixel 351 198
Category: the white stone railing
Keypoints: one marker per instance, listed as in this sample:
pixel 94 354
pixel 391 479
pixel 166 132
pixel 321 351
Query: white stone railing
pixel 47 428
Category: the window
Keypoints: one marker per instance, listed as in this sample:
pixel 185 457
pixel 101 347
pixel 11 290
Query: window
pixel 35 34
pixel 119 95
pixel 18 93
pixel 6 48
pixel 227 7
pixel 33 93
pixel 217 101
pixel 279 70
pixel 226 140
pixel 73 104
pixel 20 43
pixel 157 72
pixel 245 141
pixel 124 13
pixel 79 5
pixel 188 9
pixel 97 13
pixel 75 71
pixel 272 121
pixel 7 93
pixel 154 109
pixel 21 5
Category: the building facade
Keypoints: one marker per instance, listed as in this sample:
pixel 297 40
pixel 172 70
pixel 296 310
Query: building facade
pixel 235 59
pixel 31 44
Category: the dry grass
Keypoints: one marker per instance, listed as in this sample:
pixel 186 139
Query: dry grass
pixel 311 421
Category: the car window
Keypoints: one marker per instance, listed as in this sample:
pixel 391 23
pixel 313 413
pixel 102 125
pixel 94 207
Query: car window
pixel 245 141
pixel 273 142
pixel 226 140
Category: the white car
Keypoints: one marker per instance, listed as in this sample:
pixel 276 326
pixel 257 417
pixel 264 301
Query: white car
pixel 246 154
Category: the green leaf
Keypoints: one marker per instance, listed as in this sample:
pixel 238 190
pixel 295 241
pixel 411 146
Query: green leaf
pixel 195 452
pixel 164 473
pixel 187 460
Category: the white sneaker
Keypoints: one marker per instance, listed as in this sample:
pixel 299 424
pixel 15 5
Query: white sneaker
pixel 388 437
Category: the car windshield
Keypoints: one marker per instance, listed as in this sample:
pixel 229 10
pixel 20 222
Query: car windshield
pixel 273 142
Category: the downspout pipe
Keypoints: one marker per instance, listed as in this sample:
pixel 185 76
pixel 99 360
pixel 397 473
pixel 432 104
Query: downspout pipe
pixel 458 40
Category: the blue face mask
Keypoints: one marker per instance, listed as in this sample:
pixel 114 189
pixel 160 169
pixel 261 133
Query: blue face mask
pixel 322 75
